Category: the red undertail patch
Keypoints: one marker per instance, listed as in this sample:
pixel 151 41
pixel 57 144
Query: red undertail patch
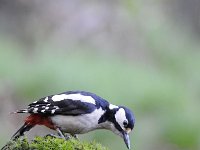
pixel 37 119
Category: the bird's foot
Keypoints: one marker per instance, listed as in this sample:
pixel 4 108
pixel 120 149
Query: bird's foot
pixel 54 136
pixel 75 136
pixel 65 137
pixel 69 136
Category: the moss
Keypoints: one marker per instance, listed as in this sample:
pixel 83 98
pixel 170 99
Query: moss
pixel 49 143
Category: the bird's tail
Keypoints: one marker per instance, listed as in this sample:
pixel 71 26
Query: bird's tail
pixel 20 132
pixel 20 111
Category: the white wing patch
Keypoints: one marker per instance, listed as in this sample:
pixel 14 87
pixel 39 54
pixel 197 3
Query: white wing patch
pixel 46 99
pixel 111 106
pixel 75 97
pixel 53 111
pixel 35 110
pixel 120 117
pixel 46 108
pixel 35 102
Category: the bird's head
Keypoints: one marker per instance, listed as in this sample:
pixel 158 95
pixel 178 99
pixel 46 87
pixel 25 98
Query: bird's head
pixel 121 122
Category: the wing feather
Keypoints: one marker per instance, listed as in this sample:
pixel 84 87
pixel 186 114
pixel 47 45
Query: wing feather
pixel 64 107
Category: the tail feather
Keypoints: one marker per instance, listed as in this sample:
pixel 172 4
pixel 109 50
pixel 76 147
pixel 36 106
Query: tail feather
pixel 20 132
pixel 20 111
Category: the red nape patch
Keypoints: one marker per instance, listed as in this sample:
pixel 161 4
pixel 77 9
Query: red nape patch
pixel 37 119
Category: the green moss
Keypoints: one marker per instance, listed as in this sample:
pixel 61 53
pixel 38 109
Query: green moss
pixel 49 143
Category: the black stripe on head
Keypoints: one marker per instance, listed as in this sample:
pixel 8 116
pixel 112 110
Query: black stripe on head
pixel 109 115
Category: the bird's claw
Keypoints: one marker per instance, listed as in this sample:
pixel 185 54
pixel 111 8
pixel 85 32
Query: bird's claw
pixel 66 137
pixel 52 135
pixel 75 136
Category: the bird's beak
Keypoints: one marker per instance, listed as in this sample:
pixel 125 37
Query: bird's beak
pixel 126 140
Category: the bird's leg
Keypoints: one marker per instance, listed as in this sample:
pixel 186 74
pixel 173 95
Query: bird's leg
pixel 53 135
pixel 60 133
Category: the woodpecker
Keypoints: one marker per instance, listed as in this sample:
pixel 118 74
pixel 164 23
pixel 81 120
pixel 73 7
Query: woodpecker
pixel 77 112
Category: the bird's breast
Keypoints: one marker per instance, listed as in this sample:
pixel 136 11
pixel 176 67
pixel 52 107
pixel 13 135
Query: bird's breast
pixel 78 124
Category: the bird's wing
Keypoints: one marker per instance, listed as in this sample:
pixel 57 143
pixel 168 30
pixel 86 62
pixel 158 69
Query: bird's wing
pixel 50 106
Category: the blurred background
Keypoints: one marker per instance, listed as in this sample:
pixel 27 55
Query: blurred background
pixel 137 53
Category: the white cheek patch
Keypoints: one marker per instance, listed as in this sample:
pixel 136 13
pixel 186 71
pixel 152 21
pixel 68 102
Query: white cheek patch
pixel 120 116
pixel 75 97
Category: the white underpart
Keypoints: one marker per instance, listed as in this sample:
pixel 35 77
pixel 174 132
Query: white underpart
pixel 78 124
pixel 111 106
pixel 75 97
pixel 43 110
pixel 120 117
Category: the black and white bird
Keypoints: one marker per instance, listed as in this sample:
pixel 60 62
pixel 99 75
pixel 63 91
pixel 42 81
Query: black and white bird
pixel 78 112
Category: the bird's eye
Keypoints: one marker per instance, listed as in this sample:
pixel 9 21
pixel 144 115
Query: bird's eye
pixel 125 123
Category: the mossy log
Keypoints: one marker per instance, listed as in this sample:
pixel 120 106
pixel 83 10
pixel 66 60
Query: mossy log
pixel 49 143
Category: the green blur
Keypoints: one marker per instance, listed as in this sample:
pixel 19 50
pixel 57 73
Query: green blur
pixel 162 88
